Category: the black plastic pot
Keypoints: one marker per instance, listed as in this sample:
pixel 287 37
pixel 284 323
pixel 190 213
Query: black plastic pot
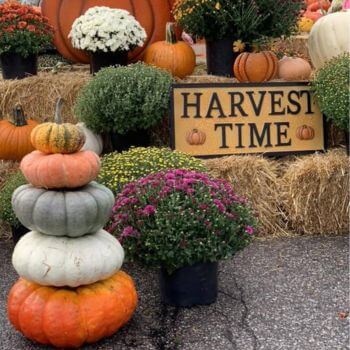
pixel 100 59
pixel 18 232
pixel 15 66
pixel 221 57
pixel 190 285
pixel 139 138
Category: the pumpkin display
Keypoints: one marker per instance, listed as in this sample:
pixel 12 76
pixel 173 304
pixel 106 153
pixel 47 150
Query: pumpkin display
pixel 176 57
pixel 313 15
pixel 196 137
pixel 64 261
pixel 57 137
pixel 152 15
pixel 305 132
pixel 329 37
pixel 60 170
pixel 68 318
pixel 93 142
pixel 294 68
pixel 256 67
pixel 305 24
pixel 15 136
pixel 63 213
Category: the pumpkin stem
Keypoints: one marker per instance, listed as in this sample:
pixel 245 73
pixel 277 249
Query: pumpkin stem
pixel 18 116
pixel 170 36
pixel 58 111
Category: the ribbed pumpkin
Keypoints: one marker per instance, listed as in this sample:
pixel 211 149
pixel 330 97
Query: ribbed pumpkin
pixel 63 213
pixel 152 15
pixel 256 67
pixel 15 136
pixel 176 57
pixel 64 261
pixel 196 137
pixel 68 318
pixel 305 132
pixel 60 170
pixel 57 137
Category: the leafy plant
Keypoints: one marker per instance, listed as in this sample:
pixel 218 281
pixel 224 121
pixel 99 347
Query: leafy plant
pixel 118 169
pixel 177 218
pixel 6 213
pixel 125 99
pixel 332 89
pixel 247 20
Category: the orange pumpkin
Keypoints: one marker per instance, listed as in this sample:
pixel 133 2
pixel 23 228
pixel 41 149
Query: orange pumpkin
pixel 256 66
pixel 313 15
pixel 196 137
pixel 294 68
pixel 60 170
pixel 152 15
pixel 70 317
pixel 15 136
pixel 176 57
pixel 318 5
pixel 305 132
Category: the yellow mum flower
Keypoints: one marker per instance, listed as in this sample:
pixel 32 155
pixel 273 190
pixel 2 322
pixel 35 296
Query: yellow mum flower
pixel 238 46
pixel 218 6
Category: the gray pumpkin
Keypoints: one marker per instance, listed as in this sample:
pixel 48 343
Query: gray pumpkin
pixel 63 213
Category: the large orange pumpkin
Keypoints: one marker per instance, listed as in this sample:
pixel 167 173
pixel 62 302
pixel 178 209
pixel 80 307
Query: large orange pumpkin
pixel 60 170
pixel 70 317
pixel 256 67
pixel 15 136
pixel 152 15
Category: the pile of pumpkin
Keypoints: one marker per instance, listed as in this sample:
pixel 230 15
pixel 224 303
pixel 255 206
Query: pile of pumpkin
pixel 71 290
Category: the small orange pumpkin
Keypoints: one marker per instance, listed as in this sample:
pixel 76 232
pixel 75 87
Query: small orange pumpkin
pixel 60 170
pixel 196 137
pixel 70 317
pixel 176 57
pixel 305 132
pixel 256 67
pixel 15 136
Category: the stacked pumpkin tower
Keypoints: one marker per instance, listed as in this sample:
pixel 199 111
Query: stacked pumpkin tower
pixel 71 289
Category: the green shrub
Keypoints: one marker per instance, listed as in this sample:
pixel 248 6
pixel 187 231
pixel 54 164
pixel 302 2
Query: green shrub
pixel 125 99
pixel 332 90
pixel 6 212
pixel 118 169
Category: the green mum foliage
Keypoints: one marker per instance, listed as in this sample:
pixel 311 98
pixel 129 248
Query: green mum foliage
pixel 332 90
pixel 118 169
pixel 6 212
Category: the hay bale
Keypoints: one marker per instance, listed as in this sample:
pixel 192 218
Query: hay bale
pixel 316 193
pixel 38 94
pixel 255 178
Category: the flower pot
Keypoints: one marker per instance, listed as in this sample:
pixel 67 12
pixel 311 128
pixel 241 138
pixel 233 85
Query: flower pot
pixel 221 57
pixel 100 59
pixel 15 66
pixel 190 285
pixel 139 138
pixel 18 232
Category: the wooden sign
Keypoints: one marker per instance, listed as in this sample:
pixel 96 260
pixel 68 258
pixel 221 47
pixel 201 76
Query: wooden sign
pixel 222 119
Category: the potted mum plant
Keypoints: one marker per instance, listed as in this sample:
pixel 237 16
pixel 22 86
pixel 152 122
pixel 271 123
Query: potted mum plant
pixel 24 32
pixel 182 222
pixel 233 26
pixel 108 35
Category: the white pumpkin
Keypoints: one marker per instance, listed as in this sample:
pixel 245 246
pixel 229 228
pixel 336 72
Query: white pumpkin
pixel 64 261
pixel 329 37
pixel 93 141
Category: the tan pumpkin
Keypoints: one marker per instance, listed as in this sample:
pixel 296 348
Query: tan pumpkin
pixel 305 132
pixel 60 170
pixel 15 136
pixel 196 137
pixel 256 67
pixel 57 137
pixel 296 68
pixel 177 57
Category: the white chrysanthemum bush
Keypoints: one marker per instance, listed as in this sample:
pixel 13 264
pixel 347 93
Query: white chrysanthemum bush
pixel 106 29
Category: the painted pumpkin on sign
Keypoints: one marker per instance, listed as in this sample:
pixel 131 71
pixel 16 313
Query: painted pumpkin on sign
pixel 305 132
pixel 152 15
pixel 57 137
pixel 196 137
pixel 256 67
pixel 68 318
pixel 15 136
